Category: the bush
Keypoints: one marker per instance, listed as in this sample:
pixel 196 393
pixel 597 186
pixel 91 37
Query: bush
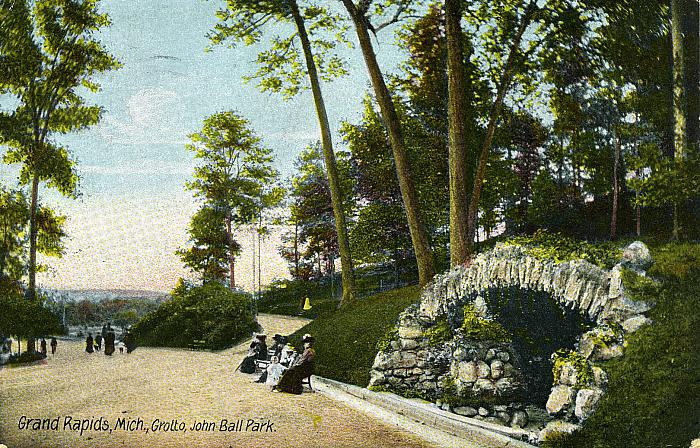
pixel 25 357
pixel 211 313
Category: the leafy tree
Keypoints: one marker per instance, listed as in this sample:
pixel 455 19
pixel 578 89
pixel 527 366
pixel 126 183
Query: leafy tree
pixel 377 188
pixel 13 219
pixel 281 70
pixel 315 238
pixel 209 253
pixel 359 12
pixel 234 181
pixel 49 51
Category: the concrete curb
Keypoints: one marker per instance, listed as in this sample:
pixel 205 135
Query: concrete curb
pixel 422 418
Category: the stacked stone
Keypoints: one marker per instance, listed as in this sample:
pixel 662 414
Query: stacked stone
pixel 485 370
pixel 488 371
pixel 577 285
pixel 410 363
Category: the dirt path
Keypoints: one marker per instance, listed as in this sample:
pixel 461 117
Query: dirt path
pixel 153 384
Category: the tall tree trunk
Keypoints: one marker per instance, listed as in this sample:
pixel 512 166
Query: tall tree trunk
pixel 456 85
pixel 616 189
pixel 346 267
pixel 419 235
pixel 260 239
pixel 691 38
pixel 33 232
pixel 680 142
pixel 296 250
pixel 231 254
pixel 503 86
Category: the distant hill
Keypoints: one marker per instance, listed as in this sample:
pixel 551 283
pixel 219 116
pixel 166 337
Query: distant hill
pixel 97 295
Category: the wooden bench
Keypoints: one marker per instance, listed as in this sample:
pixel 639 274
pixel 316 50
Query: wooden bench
pixel 307 381
pixel 261 364
pixel 197 345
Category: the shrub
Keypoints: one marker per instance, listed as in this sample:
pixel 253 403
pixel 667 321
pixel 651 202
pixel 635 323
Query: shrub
pixel 481 329
pixel 558 248
pixel 438 333
pixel 211 313
pixel 25 357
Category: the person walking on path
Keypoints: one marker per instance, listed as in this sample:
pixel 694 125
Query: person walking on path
pixel 98 342
pixel 43 346
pixel 129 341
pixel 109 343
pixel 54 343
pixel 89 343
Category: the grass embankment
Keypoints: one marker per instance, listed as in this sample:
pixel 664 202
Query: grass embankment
pixel 653 397
pixel 347 339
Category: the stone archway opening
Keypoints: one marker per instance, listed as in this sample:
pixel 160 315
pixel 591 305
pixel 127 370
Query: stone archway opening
pixel 480 340
pixel 539 326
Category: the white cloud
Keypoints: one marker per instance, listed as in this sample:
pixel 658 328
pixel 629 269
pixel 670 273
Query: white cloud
pixel 154 116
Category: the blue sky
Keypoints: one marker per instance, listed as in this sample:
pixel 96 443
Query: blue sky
pixel 134 211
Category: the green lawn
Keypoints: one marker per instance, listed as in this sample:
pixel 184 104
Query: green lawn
pixel 346 339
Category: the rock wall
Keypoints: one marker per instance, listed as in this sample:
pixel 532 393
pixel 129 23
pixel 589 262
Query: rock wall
pixel 488 373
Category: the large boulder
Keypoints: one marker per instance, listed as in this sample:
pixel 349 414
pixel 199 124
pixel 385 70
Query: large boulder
pixel 560 399
pixel 586 402
pixel 637 257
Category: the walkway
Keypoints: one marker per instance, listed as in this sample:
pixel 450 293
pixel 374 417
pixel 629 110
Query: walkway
pixel 171 384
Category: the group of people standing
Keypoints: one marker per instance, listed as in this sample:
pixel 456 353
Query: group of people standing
pixel 287 369
pixel 42 346
pixel 107 335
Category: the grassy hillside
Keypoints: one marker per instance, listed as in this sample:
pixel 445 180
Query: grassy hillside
pixel 653 398
pixel 347 339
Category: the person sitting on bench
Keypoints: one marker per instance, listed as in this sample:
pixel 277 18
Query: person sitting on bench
pixel 291 381
pixel 258 350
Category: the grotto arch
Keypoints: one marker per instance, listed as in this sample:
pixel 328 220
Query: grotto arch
pixel 433 354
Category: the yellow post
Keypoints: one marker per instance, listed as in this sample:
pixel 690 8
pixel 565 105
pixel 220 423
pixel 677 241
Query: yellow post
pixel 307 304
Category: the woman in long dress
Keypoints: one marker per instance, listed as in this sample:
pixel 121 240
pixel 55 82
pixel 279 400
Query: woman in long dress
pixel 89 347
pixel 302 368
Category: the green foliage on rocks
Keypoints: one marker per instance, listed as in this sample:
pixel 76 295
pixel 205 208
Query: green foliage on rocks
pixel 391 335
pixel 481 329
pixel 639 286
pixel 584 373
pixel 211 313
pixel 558 248
pixel 449 393
pixel 439 333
